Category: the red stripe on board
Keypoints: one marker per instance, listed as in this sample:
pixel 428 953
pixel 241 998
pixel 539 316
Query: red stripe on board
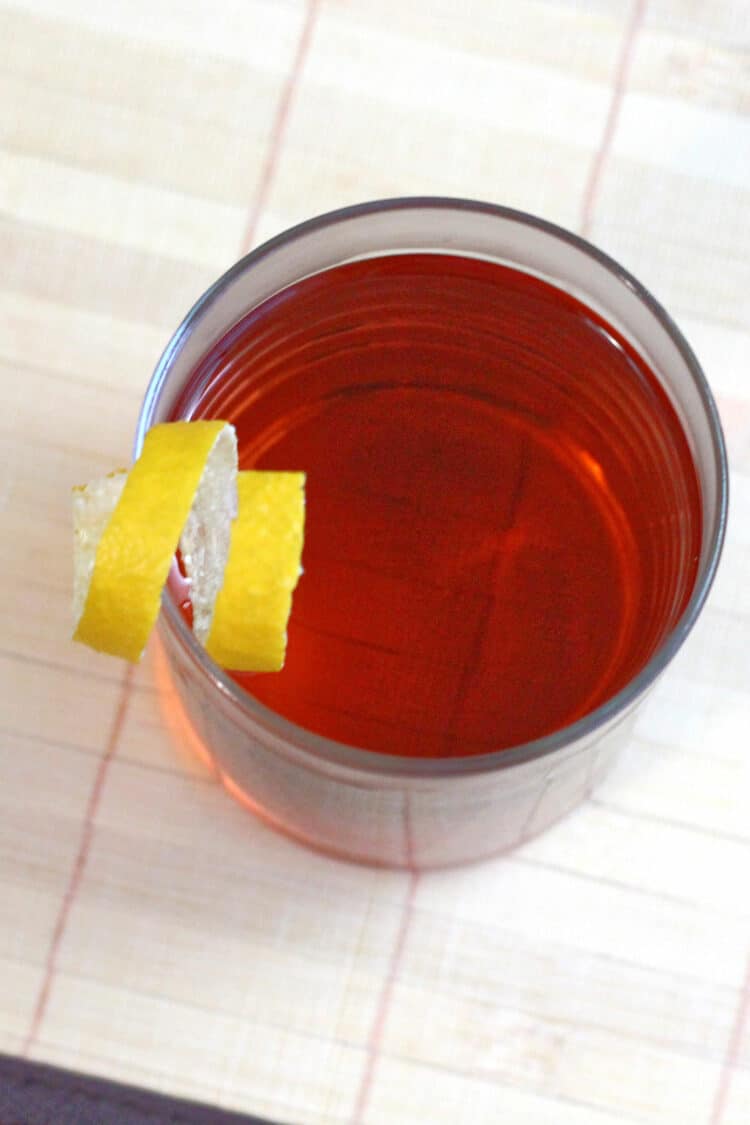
pixel 375 1038
pixel 279 127
pixel 79 867
pixel 76 877
pixel 741 1023
pixel 622 73
pixel 592 188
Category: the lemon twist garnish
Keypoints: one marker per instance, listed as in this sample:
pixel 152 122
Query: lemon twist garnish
pixel 253 605
pixel 185 490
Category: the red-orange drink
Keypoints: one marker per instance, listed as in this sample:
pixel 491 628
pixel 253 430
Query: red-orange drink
pixel 503 517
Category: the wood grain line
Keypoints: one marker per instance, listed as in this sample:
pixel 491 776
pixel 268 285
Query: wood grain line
pixel 734 1050
pixel 619 86
pixel 79 867
pixel 18 657
pixel 375 1038
pixel 668 821
pixel 377 1031
pixel 279 127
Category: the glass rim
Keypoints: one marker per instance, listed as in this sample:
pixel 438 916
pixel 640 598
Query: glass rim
pixel 340 754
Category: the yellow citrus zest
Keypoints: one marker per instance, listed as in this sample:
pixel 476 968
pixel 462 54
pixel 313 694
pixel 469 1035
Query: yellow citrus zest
pixel 253 606
pixel 136 547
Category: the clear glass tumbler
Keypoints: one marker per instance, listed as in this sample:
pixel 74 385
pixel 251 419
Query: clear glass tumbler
pixel 422 812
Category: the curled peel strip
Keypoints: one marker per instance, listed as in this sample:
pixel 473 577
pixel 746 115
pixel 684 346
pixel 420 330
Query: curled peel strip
pixel 248 632
pixel 182 491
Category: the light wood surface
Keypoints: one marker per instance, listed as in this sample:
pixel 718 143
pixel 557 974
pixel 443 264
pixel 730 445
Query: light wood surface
pixel 150 929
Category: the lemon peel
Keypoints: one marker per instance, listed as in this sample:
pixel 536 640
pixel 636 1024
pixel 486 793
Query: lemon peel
pixel 253 605
pixel 181 490
pixel 240 536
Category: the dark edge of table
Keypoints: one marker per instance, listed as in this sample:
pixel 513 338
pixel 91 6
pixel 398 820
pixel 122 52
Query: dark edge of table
pixel 33 1093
